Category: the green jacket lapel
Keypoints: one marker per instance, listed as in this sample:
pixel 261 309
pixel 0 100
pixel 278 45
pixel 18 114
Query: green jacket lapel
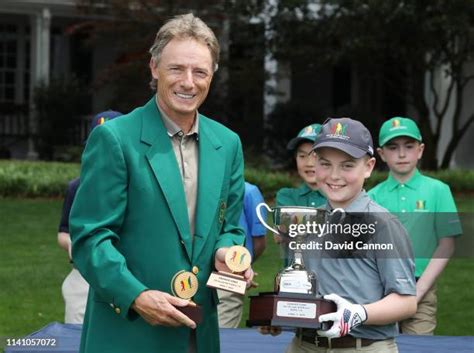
pixel 163 163
pixel 211 174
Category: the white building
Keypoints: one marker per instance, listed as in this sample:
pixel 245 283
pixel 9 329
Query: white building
pixel 36 44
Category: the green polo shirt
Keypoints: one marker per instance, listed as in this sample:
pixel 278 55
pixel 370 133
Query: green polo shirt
pixel 300 196
pixel 426 208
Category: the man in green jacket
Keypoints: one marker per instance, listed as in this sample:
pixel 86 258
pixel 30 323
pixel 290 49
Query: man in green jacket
pixel 161 192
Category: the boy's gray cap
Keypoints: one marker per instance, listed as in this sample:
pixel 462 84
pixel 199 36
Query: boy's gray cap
pixel 347 135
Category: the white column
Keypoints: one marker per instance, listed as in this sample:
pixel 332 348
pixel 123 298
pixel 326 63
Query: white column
pixel 270 95
pixel 441 84
pixel 277 86
pixel 39 53
pixel 223 77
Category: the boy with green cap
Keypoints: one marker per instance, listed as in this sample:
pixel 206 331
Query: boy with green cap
pixel 307 194
pixel 427 210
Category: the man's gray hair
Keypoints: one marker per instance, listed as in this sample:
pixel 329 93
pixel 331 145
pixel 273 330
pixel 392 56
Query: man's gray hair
pixel 184 27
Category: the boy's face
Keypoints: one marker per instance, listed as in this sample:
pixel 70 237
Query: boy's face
pixel 340 176
pixel 401 154
pixel 305 164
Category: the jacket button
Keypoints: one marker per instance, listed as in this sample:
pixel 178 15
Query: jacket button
pixel 195 270
pixel 117 310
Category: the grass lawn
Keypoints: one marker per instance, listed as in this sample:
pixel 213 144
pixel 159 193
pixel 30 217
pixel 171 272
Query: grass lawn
pixel 32 268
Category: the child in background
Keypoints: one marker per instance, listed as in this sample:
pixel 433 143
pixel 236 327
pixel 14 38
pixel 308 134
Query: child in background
pixel 427 210
pixel 231 304
pixel 75 288
pixel 307 194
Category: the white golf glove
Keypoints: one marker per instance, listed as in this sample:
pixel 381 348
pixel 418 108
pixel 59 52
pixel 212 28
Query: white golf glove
pixel 346 317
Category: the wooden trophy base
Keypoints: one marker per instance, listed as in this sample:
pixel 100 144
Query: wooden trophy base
pixel 289 310
pixel 191 311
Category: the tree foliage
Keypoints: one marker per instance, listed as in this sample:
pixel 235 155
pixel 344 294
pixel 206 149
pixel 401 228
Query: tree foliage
pixel 417 40
pixel 395 48
pixel 131 27
pixel 235 97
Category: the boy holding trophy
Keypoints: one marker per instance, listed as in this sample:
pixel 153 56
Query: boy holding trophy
pixel 373 290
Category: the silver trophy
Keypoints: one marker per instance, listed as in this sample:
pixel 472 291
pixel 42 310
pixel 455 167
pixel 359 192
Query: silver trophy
pixel 295 301
pixel 291 223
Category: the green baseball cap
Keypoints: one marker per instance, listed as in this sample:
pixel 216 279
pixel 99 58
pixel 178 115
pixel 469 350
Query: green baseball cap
pixel 396 127
pixel 307 134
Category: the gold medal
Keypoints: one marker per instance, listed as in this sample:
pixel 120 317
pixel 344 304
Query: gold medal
pixel 184 284
pixel 238 259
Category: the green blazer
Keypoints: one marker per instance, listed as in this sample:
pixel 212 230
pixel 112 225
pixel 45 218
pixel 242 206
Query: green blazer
pixel 130 229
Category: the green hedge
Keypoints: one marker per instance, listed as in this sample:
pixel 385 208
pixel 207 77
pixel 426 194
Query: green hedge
pixel 49 179
pixel 35 179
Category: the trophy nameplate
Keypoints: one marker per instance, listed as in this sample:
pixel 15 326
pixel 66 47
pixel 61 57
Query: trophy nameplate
pixel 238 260
pixel 289 310
pixel 185 285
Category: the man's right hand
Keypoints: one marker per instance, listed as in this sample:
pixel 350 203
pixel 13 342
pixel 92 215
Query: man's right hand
pixel 158 308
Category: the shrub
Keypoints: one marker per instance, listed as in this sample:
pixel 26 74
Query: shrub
pixel 49 179
pixel 35 179
pixel 269 182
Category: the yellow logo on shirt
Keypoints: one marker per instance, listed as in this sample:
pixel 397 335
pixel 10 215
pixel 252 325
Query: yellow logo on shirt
pixel 420 204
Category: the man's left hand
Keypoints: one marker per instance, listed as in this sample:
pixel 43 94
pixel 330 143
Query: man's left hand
pixel 220 265
pixel 347 317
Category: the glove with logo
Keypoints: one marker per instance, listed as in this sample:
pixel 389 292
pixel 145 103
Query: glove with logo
pixel 346 317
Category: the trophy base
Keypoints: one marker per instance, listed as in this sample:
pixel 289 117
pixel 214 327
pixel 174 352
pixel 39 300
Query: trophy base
pixel 289 310
pixel 193 312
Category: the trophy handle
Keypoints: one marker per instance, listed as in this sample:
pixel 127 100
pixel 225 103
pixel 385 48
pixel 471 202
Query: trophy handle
pixel 341 211
pixel 260 218
pixel 337 210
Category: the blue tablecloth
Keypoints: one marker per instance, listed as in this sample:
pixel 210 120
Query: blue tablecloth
pixel 67 338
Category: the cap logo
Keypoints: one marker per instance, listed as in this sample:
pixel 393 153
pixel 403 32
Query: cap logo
pixel 308 131
pixel 397 125
pixel 339 131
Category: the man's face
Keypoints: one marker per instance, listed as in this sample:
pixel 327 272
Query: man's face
pixel 340 176
pixel 305 164
pixel 184 75
pixel 401 154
